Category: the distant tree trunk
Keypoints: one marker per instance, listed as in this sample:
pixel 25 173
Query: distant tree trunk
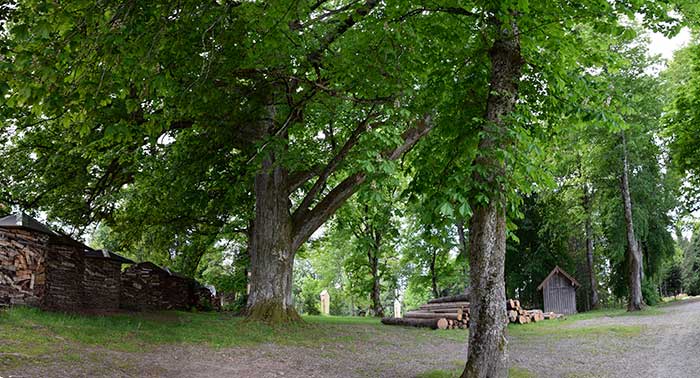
pixel 589 249
pixel 487 354
pixel 464 252
pixel 433 274
pixel 634 256
pixel 373 256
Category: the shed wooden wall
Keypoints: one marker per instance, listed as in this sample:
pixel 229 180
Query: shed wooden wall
pixel 559 295
pixel 102 283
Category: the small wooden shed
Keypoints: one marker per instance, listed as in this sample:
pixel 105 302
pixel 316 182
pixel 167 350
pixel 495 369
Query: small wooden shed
pixel 559 292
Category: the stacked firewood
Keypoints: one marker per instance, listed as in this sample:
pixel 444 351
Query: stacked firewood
pixel 453 313
pixel 519 315
pixel 22 267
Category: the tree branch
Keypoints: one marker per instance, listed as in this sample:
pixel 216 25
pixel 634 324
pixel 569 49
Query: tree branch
pixel 328 39
pixel 333 164
pixel 449 10
pixel 307 222
pixel 299 178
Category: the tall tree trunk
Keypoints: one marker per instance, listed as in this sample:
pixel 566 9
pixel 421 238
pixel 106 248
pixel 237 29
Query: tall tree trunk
pixel 373 255
pixel 433 275
pixel 271 251
pixel 589 249
pixel 464 252
pixel 634 256
pixel 487 355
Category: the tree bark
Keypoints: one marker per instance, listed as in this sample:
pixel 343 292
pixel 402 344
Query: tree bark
pixel 373 256
pixel 487 354
pixel 589 249
pixel 271 252
pixel 464 252
pixel 634 256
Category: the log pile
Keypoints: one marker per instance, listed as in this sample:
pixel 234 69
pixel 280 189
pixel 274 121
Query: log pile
pixel 101 283
pixel 65 264
pixel 22 266
pixel 141 287
pixel 517 314
pixel 453 313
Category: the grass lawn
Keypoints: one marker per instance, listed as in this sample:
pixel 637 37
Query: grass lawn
pixel 29 335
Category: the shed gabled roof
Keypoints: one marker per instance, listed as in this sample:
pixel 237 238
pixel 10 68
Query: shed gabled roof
pixel 105 254
pixel 556 270
pixel 22 220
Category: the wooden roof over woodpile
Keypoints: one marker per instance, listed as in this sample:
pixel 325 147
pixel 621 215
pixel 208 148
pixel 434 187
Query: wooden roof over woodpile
pixel 561 271
pixel 105 254
pixel 22 220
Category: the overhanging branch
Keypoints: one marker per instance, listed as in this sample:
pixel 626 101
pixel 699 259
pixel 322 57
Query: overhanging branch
pixel 307 222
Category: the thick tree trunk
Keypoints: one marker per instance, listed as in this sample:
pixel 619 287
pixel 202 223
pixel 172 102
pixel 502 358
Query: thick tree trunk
pixel 464 252
pixel 634 256
pixel 271 252
pixel 589 249
pixel 487 355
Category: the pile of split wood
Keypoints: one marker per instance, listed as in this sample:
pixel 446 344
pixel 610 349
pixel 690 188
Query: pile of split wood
pixel 453 313
pixel 519 315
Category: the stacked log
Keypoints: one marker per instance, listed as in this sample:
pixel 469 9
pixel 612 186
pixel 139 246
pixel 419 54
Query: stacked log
pixel 22 266
pixel 519 315
pixel 65 264
pixel 453 313
pixel 101 283
pixel 439 313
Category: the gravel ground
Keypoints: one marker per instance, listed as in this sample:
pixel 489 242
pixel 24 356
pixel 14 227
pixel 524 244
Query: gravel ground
pixel 667 346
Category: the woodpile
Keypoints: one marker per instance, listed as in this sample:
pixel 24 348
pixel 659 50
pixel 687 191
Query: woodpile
pixel 146 286
pixel 101 283
pixel 453 313
pixel 22 266
pixel 65 265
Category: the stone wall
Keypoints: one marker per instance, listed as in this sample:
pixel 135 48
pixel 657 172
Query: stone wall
pixel 65 263
pixel 22 266
pixel 101 283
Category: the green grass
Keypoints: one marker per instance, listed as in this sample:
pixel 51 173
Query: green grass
pixel 31 334
pixel 22 328
pixel 562 328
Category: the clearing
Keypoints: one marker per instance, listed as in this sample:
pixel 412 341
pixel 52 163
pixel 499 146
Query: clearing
pixel 659 342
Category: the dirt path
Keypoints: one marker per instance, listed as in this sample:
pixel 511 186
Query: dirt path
pixel 667 346
pixel 664 345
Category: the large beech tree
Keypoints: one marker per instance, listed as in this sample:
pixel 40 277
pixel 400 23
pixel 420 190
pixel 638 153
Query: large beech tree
pixel 291 105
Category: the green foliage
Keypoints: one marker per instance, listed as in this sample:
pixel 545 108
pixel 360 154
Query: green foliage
pixel 692 265
pixel 650 292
